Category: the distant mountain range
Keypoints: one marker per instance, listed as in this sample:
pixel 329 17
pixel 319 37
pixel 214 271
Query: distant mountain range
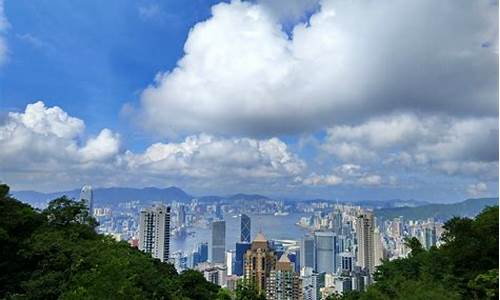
pixel 441 212
pixel 232 198
pixel 392 203
pixel 373 204
pixel 111 197
pixel 115 195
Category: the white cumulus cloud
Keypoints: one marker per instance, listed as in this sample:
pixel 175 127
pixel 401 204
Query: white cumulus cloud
pixel 315 179
pixel 206 156
pixel 242 74
pixel 46 139
pixel 477 189
pixel 46 146
pixel 347 174
pixel 452 145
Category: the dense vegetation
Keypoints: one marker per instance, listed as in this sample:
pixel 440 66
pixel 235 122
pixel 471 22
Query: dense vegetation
pixel 442 212
pixel 56 254
pixel 465 267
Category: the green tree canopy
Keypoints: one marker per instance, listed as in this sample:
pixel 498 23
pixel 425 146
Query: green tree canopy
pixel 464 267
pixel 56 254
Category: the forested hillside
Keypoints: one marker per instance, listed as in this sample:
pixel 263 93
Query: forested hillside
pixel 441 212
pixel 56 254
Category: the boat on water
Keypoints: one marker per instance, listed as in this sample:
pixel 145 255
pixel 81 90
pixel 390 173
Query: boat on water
pixel 281 213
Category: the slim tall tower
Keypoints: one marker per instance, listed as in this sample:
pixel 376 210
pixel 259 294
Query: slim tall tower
pixel 218 241
pixel 203 250
pixel 181 215
pixel 365 227
pixel 154 231
pixel 325 251
pixel 87 196
pixel 241 249
pixel 378 249
pixel 245 228
pixel 307 252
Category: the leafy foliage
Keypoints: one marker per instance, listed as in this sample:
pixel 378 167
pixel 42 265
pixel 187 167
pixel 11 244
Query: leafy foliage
pixel 56 254
pixel 248 291
pixel 464 267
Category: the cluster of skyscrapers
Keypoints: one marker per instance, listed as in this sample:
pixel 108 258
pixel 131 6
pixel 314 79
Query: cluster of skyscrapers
pixel 335 258
pixel 340 253
pixel 395 231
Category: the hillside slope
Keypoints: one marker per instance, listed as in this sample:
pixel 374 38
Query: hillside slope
pixel 442 212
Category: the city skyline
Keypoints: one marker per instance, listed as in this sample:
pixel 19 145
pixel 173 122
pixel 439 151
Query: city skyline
pixel 287 102
pixel 336 249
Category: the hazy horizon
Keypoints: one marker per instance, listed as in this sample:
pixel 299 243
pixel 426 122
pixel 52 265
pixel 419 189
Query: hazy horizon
pixel 296 197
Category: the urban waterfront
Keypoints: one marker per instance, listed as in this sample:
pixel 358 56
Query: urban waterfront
pixel 274 227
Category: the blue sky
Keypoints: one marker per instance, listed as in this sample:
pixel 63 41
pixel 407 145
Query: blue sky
pixel 333 99
pixel 89 56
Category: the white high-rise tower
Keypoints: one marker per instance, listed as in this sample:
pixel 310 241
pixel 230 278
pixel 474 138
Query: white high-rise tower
pixel 365 227
pixel 87 196
pixel 154 231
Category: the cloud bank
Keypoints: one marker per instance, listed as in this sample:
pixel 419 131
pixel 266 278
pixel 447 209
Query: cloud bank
pixel 46 145
pixel 241 74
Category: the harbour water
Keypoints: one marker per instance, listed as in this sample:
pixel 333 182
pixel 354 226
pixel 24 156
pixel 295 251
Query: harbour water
pixel 273 227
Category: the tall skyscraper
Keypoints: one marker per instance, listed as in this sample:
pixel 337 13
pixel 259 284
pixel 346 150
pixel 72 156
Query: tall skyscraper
pixel 181 215
pixel 203 251
pixel 154 231
pixel 200 254
pixel 309 284
pixel 87 196
pixel 245 228
pixel 365 227
pixel 241 249
pixel 430 236
pixel 218 212
pixel 378 249
pixel 337 222
pixel 230 260
pixel 260 260
pixel 307 252
pixel 218 241
pixel 283 282
pixel 325 251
